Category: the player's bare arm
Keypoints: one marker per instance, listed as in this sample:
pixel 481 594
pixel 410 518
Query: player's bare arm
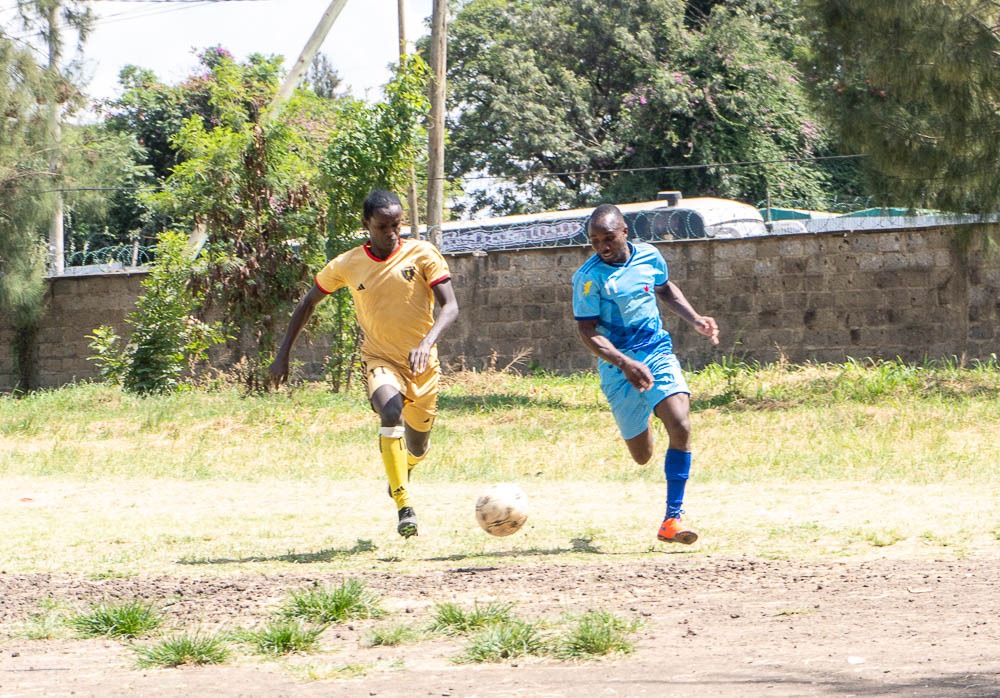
pixel 636 372
pixel 444 295
pixel 675 300
pixel 278 369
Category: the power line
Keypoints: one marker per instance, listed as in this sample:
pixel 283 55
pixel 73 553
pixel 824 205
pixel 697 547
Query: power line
pixel 662 168
pixel 126 15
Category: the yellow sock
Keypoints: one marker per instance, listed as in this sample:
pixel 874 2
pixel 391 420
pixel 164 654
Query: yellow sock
pixel 412 460
pixel 393 450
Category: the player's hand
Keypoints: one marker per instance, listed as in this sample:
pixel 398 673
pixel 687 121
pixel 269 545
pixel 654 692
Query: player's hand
pixel 707 326
pixel 419 358
pixel 278 370
pixel 638 374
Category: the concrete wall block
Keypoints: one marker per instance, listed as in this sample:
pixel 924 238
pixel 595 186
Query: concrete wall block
pixel 736 250
pixel 889 243
pixel 789 247
pixel 865 241
pixel 794 267
pixel 913 242
pixel 871 263
pixel 721 270
pixel 981 332
pixel 766 267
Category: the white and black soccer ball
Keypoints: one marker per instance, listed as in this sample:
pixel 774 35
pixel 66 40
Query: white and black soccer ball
pixel 502 509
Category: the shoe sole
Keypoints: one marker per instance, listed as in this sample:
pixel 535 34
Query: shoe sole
pixel 684 537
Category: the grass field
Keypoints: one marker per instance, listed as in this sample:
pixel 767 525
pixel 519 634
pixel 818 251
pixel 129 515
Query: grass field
pixel 854 460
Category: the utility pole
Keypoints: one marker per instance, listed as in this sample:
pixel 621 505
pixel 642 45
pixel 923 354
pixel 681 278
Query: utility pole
pixel 56 234
pixel 412 193
pixel 307 56
pixel 435 141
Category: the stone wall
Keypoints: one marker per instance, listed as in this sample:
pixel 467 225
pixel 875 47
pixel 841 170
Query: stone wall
pixel 926 293
pixel 75 306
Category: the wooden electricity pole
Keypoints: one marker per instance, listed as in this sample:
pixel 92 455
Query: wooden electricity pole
pixel 435 141
pixel 57 245
pixel 414 204
pixel 305 59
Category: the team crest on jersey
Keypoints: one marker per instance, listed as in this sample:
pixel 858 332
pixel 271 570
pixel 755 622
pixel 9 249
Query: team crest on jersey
pixel 408 273
pixel 586 287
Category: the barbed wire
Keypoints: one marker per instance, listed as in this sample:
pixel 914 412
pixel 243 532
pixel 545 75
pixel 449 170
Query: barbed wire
pixel 689 219
pixel 130 255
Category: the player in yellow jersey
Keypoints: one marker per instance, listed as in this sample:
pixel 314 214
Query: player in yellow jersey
pixel 395 284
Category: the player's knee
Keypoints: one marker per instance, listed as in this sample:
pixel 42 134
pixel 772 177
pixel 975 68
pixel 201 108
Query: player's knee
pixel 418 444
pixel 391 413
pixel 641 453
pixel 679 430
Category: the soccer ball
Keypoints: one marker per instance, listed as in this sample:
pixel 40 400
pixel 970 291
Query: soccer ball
pixel 502 509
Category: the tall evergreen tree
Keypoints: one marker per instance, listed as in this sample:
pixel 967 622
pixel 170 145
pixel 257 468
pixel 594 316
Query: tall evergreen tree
pixel 913 84
pixel 32 84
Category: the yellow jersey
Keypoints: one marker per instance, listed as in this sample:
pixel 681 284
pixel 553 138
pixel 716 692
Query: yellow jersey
pixel 392 297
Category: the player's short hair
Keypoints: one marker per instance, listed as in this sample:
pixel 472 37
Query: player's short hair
pixel 606 217
pixel 380 199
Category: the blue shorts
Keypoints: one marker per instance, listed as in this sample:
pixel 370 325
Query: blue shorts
pixel 631 407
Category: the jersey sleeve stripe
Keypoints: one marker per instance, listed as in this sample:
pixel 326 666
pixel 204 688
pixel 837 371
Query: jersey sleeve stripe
pixel 320 286
pixel 586 317
pixel 440 280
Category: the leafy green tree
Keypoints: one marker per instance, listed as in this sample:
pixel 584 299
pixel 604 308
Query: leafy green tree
pixel 913 85
pixel 167 336
pixel 552 95
pixel 250 186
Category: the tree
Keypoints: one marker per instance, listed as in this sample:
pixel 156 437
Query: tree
pixel 923 104
pixel 252 187
pixel 323 78
pixel 167 336
pixel 24 179
pixel 29 94
pixel 552 95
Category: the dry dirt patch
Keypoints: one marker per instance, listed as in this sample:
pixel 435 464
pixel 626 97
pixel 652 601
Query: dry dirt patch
pixel 711 626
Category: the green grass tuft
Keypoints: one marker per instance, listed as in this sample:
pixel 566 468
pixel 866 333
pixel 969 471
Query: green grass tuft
pixel 184 649
pixel 501 641
pixel 597 633
pixel 451 619
pixel 128 619
pixel 50 622
pixel 333 604
pixel 392 636
pixel 283 637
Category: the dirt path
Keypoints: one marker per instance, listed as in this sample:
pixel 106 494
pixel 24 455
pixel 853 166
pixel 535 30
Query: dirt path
pixel 711 627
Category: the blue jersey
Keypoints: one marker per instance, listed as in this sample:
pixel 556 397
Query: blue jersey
pixel 622 298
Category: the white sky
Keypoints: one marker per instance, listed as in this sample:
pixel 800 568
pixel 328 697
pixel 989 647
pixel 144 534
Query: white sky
pixel 166 36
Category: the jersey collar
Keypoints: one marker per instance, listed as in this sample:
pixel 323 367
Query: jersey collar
pixel 368 251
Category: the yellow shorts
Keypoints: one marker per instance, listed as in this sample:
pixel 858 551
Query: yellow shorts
pixel 420 393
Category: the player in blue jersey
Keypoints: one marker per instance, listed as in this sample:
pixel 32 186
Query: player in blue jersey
pixel 614 303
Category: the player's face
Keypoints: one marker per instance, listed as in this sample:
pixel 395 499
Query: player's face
pixel 610 245
pixel 383 230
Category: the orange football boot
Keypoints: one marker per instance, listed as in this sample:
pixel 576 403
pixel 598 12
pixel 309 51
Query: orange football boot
pixel 673 531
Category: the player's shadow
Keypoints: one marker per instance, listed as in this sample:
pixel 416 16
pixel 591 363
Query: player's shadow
pixel 496 401
pixel 577 545
pixel 361 546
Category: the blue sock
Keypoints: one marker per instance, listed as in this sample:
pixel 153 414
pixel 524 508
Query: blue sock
pixel 676 466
